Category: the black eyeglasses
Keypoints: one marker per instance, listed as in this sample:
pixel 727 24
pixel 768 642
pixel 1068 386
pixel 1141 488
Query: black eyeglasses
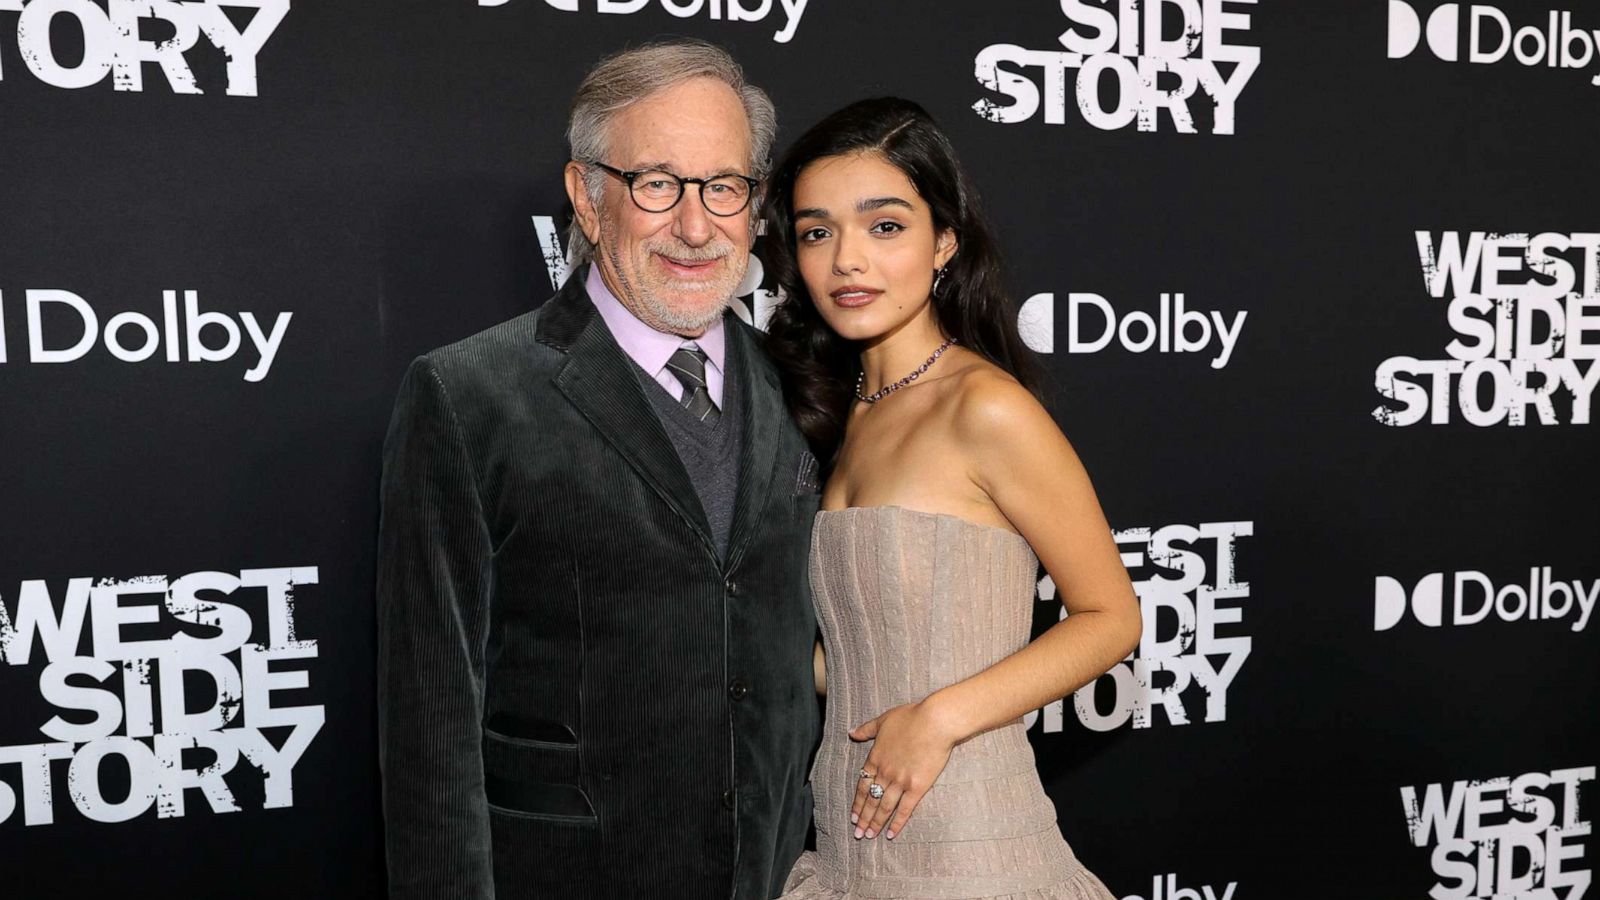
pixel 656 191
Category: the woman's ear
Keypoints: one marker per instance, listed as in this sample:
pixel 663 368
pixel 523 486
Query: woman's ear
pixel 945 247
pixel 582 210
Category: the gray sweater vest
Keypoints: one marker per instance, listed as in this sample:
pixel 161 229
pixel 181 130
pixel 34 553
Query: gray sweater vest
pixel 709 452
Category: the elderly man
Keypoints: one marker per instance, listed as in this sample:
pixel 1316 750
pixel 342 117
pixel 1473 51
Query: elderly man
pixel 595 636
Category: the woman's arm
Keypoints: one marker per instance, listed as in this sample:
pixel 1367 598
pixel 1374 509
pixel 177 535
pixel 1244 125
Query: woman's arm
pixel 1026 466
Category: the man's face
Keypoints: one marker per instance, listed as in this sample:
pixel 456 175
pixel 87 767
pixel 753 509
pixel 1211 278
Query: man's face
pixel 676 270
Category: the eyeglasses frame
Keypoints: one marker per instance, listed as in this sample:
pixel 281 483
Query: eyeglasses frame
pixel 629 176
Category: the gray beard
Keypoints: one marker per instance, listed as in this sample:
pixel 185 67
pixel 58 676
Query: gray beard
pixel 659 313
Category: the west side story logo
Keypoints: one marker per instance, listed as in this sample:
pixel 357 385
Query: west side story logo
pixel 1493 37
pixel 1153 55
pixel 1508 838
pixel 172 685
pixel 109 39
pixel 716 10
pixel 63 327
pixel 1191 649
pixel 1525 310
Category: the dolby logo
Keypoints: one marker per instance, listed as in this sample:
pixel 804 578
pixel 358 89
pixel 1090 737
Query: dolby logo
pixel 63 327
pixel 1475 597
pixel 1554 43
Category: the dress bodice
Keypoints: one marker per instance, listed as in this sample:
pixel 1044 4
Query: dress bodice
pixel 909 602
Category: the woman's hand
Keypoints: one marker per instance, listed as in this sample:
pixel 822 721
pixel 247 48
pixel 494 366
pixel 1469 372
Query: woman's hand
pixel 911 746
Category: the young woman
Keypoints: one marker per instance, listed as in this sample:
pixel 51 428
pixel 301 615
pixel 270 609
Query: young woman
pixel 947 484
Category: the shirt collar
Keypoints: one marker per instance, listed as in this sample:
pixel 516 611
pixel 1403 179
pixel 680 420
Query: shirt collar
pixel 644 345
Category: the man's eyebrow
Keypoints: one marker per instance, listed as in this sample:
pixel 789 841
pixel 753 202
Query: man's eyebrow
pixel 654 167
pixel 670 169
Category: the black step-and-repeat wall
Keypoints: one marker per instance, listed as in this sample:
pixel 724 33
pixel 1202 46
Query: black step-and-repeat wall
pixel 1316 285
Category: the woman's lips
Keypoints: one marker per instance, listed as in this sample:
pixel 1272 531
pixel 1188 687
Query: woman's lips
pixel 853 296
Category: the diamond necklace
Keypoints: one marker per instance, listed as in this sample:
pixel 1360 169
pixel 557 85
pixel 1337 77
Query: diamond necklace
pixel 888 389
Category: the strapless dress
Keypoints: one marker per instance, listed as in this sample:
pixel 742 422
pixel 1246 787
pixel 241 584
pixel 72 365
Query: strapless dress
pixel 910 602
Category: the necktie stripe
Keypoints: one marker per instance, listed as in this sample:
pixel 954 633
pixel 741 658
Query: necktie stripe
pixel 692 376
pixel 689 367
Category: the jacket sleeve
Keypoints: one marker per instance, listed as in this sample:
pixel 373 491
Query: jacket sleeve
pixel 432 610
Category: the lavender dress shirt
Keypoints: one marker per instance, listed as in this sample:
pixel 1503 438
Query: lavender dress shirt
pixel 651 348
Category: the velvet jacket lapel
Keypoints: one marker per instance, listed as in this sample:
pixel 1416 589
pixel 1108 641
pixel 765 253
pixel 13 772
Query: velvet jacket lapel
pixel 598 380
pixel 764 417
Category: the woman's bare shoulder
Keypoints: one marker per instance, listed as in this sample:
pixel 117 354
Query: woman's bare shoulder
pixel 989 405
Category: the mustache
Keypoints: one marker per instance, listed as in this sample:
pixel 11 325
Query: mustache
pixel 680 250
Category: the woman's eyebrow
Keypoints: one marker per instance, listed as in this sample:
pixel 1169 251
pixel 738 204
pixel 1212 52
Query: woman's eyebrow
pixel 863 206
pixel 873 203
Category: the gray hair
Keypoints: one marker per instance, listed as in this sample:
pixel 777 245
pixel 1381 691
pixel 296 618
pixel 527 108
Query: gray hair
pixel 625 78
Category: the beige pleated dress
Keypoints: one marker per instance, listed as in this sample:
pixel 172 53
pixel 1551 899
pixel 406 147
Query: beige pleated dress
pixel 910 602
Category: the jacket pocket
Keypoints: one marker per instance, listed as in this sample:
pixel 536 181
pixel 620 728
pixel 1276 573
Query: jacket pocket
pixel 535 779
pixel 528 731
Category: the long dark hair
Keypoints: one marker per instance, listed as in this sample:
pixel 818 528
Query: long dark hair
pixel 818 366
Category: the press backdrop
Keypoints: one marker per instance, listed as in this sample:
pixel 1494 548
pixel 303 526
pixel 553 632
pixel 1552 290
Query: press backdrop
pixel 1316 286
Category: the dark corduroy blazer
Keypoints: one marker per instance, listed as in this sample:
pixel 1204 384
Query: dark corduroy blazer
pixel 577 697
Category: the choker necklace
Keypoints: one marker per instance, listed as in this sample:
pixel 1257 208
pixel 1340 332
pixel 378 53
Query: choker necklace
pixel 888 389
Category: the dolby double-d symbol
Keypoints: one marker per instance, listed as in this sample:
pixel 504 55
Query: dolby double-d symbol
pixel 1405 30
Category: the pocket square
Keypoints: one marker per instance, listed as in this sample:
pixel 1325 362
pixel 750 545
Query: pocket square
pixel 807 479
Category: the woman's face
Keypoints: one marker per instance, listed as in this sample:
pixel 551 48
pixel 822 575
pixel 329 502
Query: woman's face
pixel 866 245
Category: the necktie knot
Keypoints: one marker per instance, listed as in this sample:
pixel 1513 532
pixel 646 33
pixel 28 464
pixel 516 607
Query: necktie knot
pixel 688 365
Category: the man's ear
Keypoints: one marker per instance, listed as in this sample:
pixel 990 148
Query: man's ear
pixel 583 210
pixel 945 247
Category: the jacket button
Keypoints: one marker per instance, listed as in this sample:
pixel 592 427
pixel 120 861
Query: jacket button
pixel 733 588
pixel 738 690
pixel 727 799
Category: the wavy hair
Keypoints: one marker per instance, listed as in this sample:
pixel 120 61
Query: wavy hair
pixel 818 367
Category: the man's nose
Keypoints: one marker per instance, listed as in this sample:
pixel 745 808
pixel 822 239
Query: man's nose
pixel 692 223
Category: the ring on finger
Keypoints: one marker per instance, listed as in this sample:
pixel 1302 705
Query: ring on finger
pixel 875 790
pixel 866 774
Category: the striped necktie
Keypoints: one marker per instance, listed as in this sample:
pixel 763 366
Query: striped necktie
pixel 689 365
